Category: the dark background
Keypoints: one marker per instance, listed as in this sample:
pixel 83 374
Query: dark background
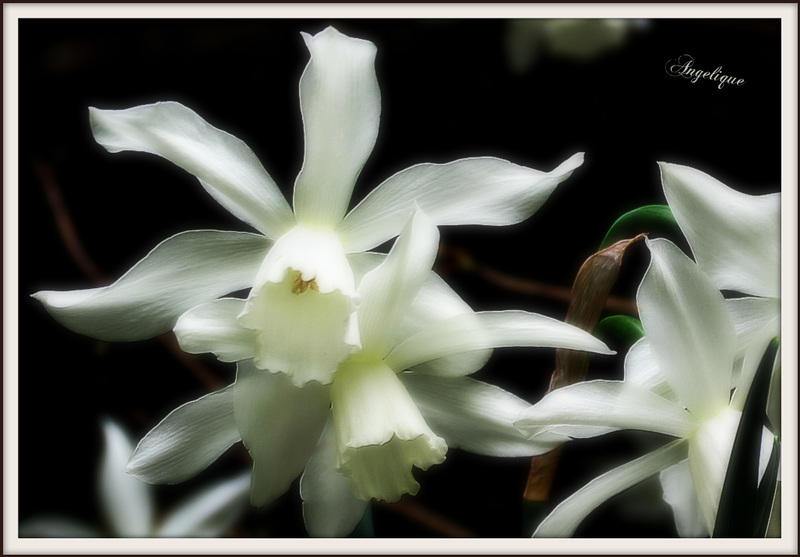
pixel 447 93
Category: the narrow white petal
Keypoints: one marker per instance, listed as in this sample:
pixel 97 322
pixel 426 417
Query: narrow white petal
pixel 641 369
pixel 302 307
pixel 465 333
pixel 280 425
pixel 679 493
pixel 56 527
pixel 209 513
pixel 341 106
pixel 126 503
pixel 709 454
pixel 179 273
pixel 387 292
pixel 330 509
pixel 689 329
pixel 380 433
pixel 596 407
pixel 483 190
pixel 474 416
pixel 185 442
pixel 214 327
pixel 735 237
pixel 567 516
pixel 225 166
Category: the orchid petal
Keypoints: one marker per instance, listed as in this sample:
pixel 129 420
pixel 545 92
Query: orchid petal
pixel 225 166
pixel 280 425
pixel 330 510
pixel 302 307
pixel 341 105
pixel 210 513
pixel 482 190
pixel 127 504
pixel 182 271
pixel 641 369
pixel 680 494
pixel 567 516
pixel 689 329
pixel 474 416
pixel 735 237
pixel 185 442
pixel 479 331
pixel 388 291
pixel 593 408
pixel 380 433
pixel 214 327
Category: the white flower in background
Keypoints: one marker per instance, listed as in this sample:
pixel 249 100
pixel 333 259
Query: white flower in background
pixel 302 298
pixel 359 437
pixel 128 505
pixel 735 240
pixel 677 382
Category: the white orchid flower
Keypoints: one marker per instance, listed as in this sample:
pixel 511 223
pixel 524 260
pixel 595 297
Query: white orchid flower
pixel 677 382
pixel 359 437
pixel 309 251
pixel 128 505
pixel 735 240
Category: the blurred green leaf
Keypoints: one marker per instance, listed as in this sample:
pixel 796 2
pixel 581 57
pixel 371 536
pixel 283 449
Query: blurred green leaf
pixel 365 528
pixel 645 219
pixel 766 490
pixel 736 517
pixel 624 328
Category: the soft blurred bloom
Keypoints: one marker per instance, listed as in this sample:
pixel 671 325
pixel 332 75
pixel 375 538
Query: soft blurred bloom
pixel 128 505
pixel 395 404
pixel 677 382
pixel 302 301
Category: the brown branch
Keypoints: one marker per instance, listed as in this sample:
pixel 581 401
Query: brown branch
pixel 423 516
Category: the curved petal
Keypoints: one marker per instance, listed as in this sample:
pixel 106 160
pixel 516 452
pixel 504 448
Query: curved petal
pixel 641 369
pixel 735 237
pixel 126 503
pixel 596 407
pixel 56 527
pixel 185 442
pixel 330 510
pixel 388 291
pixel 474 416
pixel 280 425
pixel 689 329
pixel 209 513
pixel 380 433
pixel 341 106
pixel 182 271
pixel 214 327
pixel 465 333
pixel 225 166
pixel 679 493
pixel 567 516
pixel 302 307
pixel 482 190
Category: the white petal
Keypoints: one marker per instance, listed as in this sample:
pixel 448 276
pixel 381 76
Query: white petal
pixel 214 327
pixel 474 416
pixel 302 307
pixel 596 407
pixel 126 503
pixel 380 433
pixel 209 513
pixel 689 329
pixel 567 516
pixel 56 527
pixel 465 333
pixel 680 494
pixel 709 453
pixel 735 237
pixel 388 291
pixel 280 425
pixel 483 190
pixel 330 509
pixel 182 271
pixel 185 442
pixel 341 106
pixel 225 166
pixel 641 369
